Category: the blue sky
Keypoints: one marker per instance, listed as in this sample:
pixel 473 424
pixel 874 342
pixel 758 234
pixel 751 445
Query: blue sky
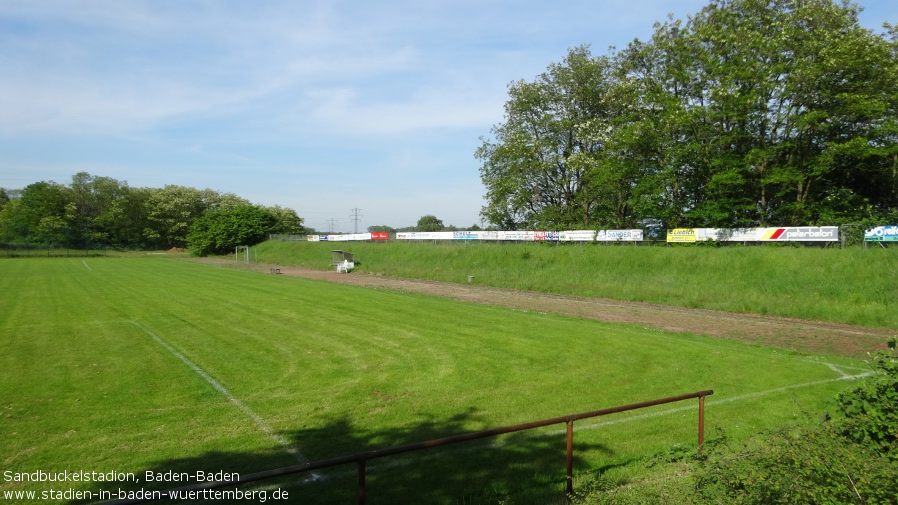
pixel 322 107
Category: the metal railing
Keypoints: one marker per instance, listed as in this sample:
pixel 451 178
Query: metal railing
pixel 360 459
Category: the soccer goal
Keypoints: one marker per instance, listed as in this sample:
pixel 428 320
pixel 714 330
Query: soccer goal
pixel 245 250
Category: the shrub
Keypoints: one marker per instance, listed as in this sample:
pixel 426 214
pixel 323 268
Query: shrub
pixel 848 461
pixel 798 466
pixel 871 409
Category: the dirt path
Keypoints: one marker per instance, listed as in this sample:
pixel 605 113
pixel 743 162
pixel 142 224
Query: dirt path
pixel 814 337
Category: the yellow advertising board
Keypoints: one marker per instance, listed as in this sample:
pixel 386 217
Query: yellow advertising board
pixel 681 235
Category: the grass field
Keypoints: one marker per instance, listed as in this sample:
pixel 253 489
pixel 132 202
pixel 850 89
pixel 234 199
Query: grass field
pixel 136 364
pixel 851 285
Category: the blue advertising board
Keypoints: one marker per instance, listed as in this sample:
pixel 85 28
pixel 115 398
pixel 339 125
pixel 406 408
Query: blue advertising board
pixel 882 234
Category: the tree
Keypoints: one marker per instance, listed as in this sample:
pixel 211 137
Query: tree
pixel 4 198
pixel 220 231
pixel 172 209
pixel 127 220
pixel 763 112
pixel 40 201
pixel 751 112
pixel 547 166
pixel 288 221
pixel 52 230
pixel 429 223
pixel 95 209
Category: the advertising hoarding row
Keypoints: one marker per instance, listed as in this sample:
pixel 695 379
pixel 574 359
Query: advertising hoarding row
pixel 887 233
pixel 527 235
pixel 787 234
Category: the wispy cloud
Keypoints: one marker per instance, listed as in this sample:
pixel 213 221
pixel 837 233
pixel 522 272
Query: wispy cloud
pixel 256 97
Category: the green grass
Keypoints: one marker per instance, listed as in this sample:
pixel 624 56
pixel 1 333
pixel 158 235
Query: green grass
pixel 853 286
pixel 334 369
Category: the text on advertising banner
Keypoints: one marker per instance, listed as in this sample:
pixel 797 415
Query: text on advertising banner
pixel 681 235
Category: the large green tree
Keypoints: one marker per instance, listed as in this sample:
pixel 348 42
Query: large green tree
pixel 38 203
pixel 547 166
pixel 287 221
pixel 220 231
pixel 172 209
pixel 96 210
pixel 429 222
pixel 751 112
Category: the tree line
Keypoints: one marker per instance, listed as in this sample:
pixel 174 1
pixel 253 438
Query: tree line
pixel 94 211
pixel 749 113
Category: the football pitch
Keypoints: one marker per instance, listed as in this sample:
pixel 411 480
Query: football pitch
pixel 172 372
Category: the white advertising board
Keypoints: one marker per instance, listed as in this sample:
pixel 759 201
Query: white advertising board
pixel 619 236
pixel 425 235
pixel 576 236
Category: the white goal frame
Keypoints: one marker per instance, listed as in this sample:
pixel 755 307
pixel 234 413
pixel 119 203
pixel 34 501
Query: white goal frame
pixel 245 249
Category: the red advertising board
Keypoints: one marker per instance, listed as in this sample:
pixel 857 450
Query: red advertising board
pixel 380 235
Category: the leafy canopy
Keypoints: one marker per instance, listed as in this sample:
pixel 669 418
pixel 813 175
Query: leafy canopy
pixel 749 113
pixel 220 231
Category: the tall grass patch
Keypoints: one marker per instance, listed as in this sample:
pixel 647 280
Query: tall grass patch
pixel 851 286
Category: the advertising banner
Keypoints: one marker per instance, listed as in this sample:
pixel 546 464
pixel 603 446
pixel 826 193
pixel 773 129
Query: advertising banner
pixel 465 235
pixel 488 235
pixel 425 235
pixel 528 236
pixel 380 235
pixel 735 234
pixel 882 234
pixel 619 236
pixel 543 236
pixel 577 236
pixel 346 237
pixel 800 234
pixel 786 234
pixel 681 235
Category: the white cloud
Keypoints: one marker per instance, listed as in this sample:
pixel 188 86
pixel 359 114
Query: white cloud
pixel 253 97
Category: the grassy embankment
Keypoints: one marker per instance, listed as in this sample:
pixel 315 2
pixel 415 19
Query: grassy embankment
pixel 854 286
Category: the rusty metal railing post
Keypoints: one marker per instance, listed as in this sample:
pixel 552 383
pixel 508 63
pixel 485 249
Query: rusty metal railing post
pixel 701 423
pixel 570 458
pixel 361 482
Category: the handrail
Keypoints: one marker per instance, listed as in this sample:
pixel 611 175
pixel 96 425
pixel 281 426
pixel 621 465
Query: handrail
pixel 361 458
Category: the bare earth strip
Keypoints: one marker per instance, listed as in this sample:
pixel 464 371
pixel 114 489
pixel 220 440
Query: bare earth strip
pixel 814 337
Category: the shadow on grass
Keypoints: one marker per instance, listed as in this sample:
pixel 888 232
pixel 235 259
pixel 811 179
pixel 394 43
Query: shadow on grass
pixel 519 468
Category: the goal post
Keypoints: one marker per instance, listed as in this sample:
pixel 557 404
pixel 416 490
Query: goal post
pixel 238 250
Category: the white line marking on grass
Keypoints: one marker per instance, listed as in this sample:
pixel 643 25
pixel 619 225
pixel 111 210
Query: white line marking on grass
pixel 86 265
pixel 711 403
pixel 223 390
pixel 836 369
